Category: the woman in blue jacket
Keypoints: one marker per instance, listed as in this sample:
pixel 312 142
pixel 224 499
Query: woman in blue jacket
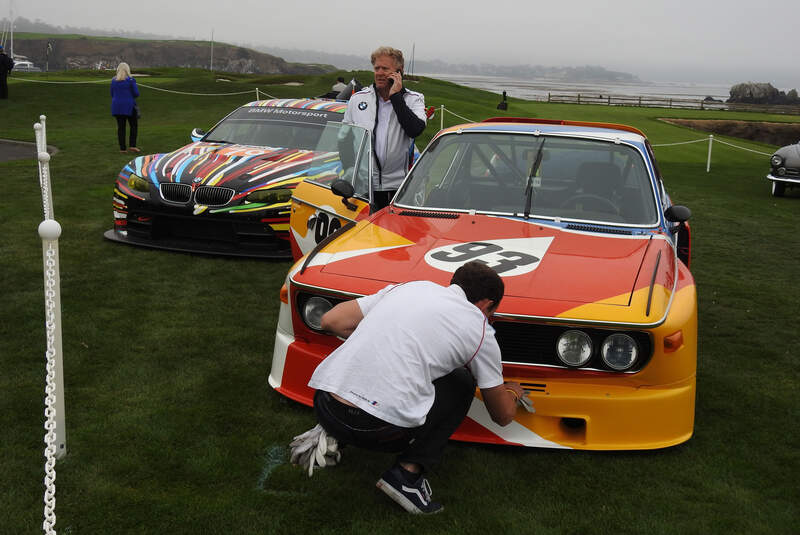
pixel 123 105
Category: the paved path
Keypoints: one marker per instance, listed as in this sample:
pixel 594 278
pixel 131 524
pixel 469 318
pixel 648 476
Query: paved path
pixel 20 150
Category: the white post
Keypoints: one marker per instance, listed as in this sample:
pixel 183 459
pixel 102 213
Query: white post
pixel 257 95
pixel 441 118
pixel 37 130
pixel 43 148
pixel 708 162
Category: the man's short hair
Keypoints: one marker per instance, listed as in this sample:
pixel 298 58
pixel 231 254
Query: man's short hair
pixel 393 53
pixel 479 281
pixel 340 79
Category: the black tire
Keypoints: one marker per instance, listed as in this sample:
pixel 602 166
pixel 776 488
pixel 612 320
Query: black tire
pixel 778 188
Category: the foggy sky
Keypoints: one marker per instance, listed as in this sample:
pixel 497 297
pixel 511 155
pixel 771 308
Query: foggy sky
pixel 677 40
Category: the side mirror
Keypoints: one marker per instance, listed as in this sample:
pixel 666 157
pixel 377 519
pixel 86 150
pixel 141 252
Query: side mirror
pixel 344 189
pixel 677 213
pixel 197 134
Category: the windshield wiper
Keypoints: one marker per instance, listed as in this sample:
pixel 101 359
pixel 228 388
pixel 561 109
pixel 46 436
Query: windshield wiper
pixel 529 186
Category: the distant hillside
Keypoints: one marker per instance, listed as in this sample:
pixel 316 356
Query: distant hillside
pixel 82 52
pixel 586 73
pixel 236 61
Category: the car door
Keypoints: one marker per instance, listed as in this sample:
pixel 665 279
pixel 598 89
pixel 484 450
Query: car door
pixel 316 211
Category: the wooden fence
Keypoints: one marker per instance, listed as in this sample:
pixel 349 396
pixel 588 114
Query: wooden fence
pixel 663 102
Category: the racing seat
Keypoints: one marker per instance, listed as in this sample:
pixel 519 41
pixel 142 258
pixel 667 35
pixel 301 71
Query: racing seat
pixel 598 186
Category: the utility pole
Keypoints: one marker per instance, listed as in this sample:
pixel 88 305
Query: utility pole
pixel 211 67
pixel 11 16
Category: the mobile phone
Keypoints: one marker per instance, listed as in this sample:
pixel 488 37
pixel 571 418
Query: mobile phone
pixel 391 80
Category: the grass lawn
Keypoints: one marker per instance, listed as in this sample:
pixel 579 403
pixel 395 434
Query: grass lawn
pixel 172 427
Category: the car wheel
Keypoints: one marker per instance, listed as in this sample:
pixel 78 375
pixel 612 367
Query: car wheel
pixel 778 188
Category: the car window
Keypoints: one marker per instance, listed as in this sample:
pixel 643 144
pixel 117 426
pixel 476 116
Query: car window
pixel 579 179
pixel 273 127
pixel 349 147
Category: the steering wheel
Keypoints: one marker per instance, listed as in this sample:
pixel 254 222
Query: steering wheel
pixel 606 202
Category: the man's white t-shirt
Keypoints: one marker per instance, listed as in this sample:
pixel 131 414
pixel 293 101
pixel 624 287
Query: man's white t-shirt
pixel 411 334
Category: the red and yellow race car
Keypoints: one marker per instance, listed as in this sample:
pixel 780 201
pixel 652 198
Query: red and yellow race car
pixel 599 318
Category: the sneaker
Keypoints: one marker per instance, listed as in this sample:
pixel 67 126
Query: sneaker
pixel 413 497
pixel 134 149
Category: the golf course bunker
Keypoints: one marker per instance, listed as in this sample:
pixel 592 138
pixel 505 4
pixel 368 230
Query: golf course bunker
pixel 779 134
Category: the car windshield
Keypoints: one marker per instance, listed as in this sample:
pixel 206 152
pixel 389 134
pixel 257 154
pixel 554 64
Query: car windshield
pixel 273 127
pixel 575 178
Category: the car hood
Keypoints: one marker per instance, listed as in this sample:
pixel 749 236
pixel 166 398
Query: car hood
pixel 548 271
pixel 241 167
pixel 791 154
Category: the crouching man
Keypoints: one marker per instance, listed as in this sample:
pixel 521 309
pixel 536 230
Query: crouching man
pixel 405 376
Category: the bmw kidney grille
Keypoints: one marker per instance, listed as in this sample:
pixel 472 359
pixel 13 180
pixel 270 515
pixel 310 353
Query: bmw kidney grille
pixel 207 195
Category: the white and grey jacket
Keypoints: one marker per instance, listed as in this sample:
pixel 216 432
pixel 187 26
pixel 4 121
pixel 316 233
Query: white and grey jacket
pixel 406 123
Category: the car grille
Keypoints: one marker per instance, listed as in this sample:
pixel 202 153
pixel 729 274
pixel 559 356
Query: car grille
pixel 207 195
pixel 175 192
pixel 535 344
pixel 213 196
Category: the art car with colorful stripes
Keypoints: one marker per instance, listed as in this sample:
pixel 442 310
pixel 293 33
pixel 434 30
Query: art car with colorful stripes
pixel 599 318
pixel 228 191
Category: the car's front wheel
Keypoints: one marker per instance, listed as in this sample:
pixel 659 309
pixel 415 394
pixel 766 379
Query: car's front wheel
pixel 778 188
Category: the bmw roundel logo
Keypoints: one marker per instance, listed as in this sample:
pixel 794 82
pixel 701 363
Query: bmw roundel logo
pixel 362 106
pixel 197 179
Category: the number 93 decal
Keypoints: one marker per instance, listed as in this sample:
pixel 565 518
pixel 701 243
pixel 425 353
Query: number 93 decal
pixel 508 258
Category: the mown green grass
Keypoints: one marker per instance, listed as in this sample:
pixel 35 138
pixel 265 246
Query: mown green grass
pixel 172 427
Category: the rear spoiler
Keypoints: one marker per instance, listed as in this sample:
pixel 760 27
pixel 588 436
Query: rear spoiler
pixel 529 120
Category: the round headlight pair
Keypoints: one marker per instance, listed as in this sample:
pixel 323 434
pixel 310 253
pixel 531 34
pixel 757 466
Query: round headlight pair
pixel 618 351
pixel 313 310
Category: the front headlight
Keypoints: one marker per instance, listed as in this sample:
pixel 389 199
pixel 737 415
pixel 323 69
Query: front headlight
pixel 270 196
pixel 776 160
pixel 138 183
pixel 313 310
pixel 619 351
pixel 574 348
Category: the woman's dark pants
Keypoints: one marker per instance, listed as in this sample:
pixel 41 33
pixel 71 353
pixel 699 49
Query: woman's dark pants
pixel 134 122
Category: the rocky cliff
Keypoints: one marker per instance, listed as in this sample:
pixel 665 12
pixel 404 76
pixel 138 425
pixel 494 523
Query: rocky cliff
pixel 103 53
pixel 761 93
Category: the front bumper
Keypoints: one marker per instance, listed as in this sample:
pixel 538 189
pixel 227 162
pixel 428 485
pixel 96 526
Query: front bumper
pixel 789 180
pixel 224 234
pixel 593 414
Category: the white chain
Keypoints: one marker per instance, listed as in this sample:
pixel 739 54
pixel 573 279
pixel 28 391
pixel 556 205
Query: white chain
pixel 44 181
pixel 50 399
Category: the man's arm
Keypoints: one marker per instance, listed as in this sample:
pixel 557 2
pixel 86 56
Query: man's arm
pixel 412 125
pixel 342 319
pixel 501 401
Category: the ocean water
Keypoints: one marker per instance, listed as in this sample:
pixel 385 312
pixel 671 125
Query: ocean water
pixel 537 89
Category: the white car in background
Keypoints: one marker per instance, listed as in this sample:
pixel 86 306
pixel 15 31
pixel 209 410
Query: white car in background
pixel 23 65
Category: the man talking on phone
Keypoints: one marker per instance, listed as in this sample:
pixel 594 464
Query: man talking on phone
pixel 394 115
